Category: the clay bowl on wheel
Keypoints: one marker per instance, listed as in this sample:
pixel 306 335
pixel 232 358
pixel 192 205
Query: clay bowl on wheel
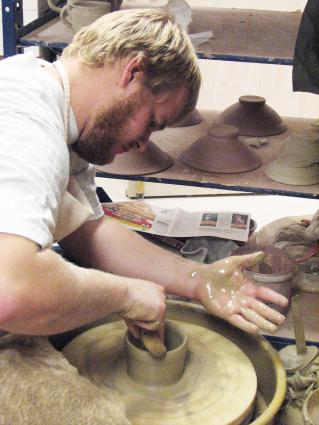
pixel 221 151
pixel 252 117
pixel 136 163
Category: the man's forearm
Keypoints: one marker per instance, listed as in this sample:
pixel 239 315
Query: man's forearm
pixel 109 246
pixel 44 294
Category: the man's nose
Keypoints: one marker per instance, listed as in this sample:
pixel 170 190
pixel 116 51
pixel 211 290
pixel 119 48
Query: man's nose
pixel 141 144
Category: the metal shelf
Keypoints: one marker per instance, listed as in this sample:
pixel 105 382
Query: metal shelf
pixel 265 36
pixel 175 140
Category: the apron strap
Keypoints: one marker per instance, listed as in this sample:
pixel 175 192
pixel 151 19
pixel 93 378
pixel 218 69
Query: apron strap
pixel 67 96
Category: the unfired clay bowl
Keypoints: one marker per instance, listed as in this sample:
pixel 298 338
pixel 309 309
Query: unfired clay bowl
pixel 301 149
pixel 146 369
pixel 135 163
pixel 252 117
pixel 299 176
pixel 192 119
pixel 221 151
pixel 298 160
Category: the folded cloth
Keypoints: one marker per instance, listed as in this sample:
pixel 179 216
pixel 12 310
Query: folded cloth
pixel 207 249
pixel 38 386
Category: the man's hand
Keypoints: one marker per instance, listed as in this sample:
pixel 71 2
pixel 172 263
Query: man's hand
pixel 226 292
pixel 144 306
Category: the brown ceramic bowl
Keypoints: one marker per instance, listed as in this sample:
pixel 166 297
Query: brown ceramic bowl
pixel 252 117
pixel 136 163
pixel 192 119
pixel 221 151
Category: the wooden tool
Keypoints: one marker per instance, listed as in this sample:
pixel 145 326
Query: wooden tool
pixel 153 344
pixel 298 325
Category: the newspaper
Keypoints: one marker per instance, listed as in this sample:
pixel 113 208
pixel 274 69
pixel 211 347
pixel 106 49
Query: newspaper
pixel 152 219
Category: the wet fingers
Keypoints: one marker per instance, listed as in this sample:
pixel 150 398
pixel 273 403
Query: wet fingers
pixel 267 294
pixel 255 318
pixel 133 329
pixel 150 326
pixel 267 312
pixel 243 324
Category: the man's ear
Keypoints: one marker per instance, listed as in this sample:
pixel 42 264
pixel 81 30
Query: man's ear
pixel 133 72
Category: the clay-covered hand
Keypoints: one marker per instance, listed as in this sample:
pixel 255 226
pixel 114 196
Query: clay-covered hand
pixel 225 291
pixel 144 306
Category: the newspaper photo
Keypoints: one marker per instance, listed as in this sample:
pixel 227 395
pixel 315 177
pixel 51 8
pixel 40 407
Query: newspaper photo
pixel 145 217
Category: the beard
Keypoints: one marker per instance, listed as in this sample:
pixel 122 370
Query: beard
pixel 97 145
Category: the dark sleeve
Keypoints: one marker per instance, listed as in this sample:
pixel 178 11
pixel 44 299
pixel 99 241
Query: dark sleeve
pixel 305 75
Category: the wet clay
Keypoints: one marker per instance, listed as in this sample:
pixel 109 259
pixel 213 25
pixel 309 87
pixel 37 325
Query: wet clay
pixel 153 344
pixel 144 368
pixel 226 292
pixel 218 384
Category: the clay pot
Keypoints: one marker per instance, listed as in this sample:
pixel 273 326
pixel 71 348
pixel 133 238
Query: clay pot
pixel 192 119
pixel 136 163
pixel 148 370
pixel 252 117
pixel 115 5
pixel 221 151
pixel 80 13
pixel 298 176
pixel 298 160
pixel 301 149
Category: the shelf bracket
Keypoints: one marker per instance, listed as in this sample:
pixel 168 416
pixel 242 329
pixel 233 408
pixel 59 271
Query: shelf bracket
pixel 12 21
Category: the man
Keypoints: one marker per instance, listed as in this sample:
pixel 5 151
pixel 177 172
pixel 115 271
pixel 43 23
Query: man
pixel 122 77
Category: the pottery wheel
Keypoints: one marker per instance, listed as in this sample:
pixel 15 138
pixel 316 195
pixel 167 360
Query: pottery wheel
pixel 218 385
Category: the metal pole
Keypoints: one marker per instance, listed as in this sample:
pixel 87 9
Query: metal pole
pixel 12 21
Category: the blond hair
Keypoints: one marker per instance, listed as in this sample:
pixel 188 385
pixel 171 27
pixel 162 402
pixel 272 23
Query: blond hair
pixel 165 50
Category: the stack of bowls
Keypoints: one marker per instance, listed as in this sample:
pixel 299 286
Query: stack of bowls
pixel 298 160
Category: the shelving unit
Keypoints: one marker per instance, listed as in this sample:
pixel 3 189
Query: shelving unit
pixel 175 140
pixel 265 37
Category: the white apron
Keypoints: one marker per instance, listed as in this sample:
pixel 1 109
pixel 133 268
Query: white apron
pixel 74 209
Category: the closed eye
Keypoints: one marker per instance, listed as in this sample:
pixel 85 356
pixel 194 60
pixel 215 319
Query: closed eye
pixel 154 126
